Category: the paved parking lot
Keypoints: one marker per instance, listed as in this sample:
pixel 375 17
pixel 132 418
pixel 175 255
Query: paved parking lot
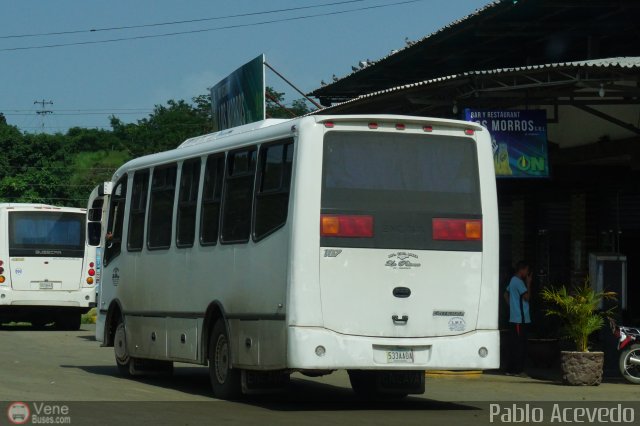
pixel 70 368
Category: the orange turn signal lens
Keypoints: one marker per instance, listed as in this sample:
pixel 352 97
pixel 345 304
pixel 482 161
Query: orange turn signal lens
pixel 349 226
pixel 1 279
pixel 89 280
pixel 473 230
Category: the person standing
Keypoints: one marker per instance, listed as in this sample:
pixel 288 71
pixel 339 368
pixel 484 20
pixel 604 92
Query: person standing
pixel 517 296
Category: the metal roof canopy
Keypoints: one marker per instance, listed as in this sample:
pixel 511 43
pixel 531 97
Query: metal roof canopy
pixel 612 81
pixel 595 88
pixel 505 33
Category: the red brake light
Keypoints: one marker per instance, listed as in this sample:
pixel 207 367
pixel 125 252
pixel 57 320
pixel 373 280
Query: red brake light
pixel 1 270
pixel 427 128
pixel 373 125
pixel 92 272
pixel 328 124
pixel 400 126
pixel 469 132
pixel 91 264
pixel 349 226
pixel 457 229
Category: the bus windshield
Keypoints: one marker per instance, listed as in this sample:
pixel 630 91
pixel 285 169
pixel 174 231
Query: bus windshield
pixel 46 234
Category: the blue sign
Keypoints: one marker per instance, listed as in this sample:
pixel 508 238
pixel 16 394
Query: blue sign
pixel 519 140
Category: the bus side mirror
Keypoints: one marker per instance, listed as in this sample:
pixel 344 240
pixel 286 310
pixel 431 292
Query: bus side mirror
pixel 94 229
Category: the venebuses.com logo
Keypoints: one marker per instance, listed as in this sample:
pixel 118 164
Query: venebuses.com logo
pixel 18 413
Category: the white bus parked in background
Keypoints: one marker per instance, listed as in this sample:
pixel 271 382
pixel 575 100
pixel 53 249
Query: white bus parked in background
pixel 365 243
pixel 46 267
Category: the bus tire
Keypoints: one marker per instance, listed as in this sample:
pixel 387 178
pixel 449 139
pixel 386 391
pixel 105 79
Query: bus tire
pixel 123 360
pixel 225 380
pixel 630 372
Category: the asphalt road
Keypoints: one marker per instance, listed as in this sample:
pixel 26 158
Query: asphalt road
pixel 70 369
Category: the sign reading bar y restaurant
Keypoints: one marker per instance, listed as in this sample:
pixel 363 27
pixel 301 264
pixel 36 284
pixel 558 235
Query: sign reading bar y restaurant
pixel 519 140
pixel 239 98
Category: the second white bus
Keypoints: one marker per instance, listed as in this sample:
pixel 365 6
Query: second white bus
pixel 46 267
pixel 365 243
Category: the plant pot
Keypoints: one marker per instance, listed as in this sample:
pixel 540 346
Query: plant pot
pixel 582 368
pixel 543 352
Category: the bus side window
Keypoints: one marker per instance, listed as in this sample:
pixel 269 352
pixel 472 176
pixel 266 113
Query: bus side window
pixel 113 238
pixel 272 195
pixel 94 223
pixel 187 203
pixel 211 199
pixel 238 196
pixel 160 224
pixel 137 210
pixel 93 233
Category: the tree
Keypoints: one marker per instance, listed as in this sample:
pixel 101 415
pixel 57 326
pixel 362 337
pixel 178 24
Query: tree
pixel 276 105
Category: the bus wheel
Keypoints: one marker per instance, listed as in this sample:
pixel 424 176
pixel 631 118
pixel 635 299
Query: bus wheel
pixel 225 380
pixel 120 349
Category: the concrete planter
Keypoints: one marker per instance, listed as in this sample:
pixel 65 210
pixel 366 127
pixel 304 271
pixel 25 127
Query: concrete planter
pixel 582 368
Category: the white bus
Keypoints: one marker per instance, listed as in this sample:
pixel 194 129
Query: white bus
pixel 46 267
pixel 365 243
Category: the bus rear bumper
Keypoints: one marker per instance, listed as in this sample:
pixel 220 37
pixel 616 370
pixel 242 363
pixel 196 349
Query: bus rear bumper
pixel 460 352
pixel 84 298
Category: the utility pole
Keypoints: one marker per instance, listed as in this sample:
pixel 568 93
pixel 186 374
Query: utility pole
pixel 43 112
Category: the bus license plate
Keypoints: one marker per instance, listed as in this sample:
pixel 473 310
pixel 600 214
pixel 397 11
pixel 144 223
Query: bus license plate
pixel 46 285
pixel 400 356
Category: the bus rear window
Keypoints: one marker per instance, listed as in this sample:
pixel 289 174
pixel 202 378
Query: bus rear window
pixel 46 234
pixel 402 172
pixel 400 182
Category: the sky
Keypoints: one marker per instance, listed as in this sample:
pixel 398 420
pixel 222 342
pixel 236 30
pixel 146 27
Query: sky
pixel 88 82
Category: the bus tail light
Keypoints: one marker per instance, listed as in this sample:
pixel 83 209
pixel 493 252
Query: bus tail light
pixel 348 226
pixel 2 278
pixel 91 272
pixel 457 229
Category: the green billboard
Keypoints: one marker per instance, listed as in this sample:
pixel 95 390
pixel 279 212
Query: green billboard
pixel 239 98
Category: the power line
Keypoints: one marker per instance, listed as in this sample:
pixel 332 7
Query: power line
pixel 227 27
pixel 80 109
pixel 188 21
pixel 75 113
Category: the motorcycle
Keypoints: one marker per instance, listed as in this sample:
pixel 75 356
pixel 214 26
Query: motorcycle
pixel 629 347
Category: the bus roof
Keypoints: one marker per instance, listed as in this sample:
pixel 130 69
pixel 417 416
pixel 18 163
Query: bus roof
pixel 38 206
pixel 270 128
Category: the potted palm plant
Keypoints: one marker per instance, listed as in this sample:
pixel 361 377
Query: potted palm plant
pixel 580 313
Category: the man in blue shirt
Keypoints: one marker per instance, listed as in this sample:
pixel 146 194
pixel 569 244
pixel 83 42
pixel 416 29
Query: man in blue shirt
pixel 517 297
